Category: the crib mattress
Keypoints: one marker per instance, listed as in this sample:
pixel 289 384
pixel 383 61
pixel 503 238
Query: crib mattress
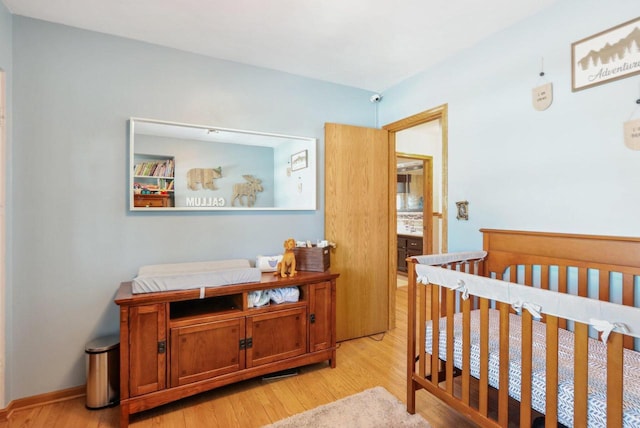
pixel 185 276
pixel 597 402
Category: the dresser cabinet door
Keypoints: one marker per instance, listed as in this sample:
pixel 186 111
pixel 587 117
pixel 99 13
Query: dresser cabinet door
pixel 147 349
pixel 275 336
pixel 203 351
pixel 320 316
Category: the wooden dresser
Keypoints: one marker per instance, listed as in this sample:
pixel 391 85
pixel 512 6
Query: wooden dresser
pixel 175 344
pixel 151 200
pixel 408 246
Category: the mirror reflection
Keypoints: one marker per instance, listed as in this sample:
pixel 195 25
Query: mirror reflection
pixel 176 166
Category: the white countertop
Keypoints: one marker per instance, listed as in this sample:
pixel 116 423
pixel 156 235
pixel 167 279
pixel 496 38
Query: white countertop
pixel 416 234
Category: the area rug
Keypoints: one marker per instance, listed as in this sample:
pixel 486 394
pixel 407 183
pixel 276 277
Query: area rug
pixel 372 408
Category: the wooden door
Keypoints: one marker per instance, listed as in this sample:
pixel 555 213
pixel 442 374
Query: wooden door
pixel 357 220
pixel 147 351
pixel 203 351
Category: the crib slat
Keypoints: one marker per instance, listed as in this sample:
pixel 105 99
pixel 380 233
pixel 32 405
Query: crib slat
pixel 581 373
pixel 627 299
pixel 603 286
pixel 443 299
pixel 450 343
pixel 483 399
pixel 562 279
pixel 615 362
pixel 582 282
pixel 525 385
pixel 466 351
pixel 562 288
pixel 627 287
pixel 435 330
pixel 478 269
pixel 411 338
pixel 528 275
pixel 544 277
pixel 503 381
pixel 423 316
pixel 551 403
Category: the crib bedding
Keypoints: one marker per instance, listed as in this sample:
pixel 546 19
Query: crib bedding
pixel 597 367
pixel 185 276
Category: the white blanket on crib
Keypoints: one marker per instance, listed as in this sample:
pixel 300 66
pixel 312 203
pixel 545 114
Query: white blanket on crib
pixel 623 319
pixel 597 367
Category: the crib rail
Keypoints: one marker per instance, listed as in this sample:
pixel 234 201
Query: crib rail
pixel 441 292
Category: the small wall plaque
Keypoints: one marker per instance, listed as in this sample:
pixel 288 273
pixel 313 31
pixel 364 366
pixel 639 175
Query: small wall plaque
pixel 542 96
pixel 463 210
pixel 632 134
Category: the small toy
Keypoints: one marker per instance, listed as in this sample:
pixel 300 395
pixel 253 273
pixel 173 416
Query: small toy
pixel 287 266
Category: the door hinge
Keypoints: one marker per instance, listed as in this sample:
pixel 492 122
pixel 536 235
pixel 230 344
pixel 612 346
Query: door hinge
pixel 162 347
pixel 312 318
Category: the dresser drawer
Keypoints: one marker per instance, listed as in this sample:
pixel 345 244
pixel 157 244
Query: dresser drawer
pixel 151 201
pixel 414 244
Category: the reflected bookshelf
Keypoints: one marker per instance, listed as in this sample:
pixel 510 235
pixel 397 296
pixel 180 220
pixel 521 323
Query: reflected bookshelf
pixel 153 180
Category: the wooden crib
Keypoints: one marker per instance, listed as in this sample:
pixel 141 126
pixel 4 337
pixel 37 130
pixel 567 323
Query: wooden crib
pixel 471 315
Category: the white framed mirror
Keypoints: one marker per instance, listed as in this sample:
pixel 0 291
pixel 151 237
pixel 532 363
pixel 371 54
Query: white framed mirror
pixel 178 166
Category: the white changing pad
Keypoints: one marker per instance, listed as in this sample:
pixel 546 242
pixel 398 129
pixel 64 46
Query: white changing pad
pixel 185 276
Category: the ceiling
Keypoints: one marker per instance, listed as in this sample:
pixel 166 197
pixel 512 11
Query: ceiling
pixel 368 44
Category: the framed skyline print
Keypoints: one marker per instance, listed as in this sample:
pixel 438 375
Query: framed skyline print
pixel 299 160
pixel 609 55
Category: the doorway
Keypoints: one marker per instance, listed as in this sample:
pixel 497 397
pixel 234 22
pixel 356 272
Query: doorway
pixel 414 204
pixel 423 136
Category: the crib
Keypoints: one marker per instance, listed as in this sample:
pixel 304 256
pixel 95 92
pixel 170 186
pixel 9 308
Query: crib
pixel 537 325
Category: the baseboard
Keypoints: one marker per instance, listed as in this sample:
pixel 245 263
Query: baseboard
pixel 41 400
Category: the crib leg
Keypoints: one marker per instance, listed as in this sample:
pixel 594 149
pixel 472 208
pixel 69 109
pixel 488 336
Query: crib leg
pixel 411 397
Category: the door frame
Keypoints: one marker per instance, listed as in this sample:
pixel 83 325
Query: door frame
pixel 436 113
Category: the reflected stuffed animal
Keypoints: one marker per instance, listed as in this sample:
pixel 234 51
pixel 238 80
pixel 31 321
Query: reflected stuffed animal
pixel 287 266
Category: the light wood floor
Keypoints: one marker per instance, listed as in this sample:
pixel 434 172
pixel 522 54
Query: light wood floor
pixel 362 363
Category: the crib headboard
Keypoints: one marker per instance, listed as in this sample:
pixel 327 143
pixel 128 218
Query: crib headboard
pixel 609 258
pixel 560 248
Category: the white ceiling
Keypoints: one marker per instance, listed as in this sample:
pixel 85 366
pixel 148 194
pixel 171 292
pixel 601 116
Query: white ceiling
pixel 368 44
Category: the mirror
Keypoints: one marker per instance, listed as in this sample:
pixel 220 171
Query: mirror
pixel 177 166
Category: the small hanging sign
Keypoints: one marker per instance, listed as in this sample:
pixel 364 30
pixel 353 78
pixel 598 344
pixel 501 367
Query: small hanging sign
pixel 632 134
pixel 542 96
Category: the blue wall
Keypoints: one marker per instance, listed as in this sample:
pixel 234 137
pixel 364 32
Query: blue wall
pixel 564 169
pixel 6 64
pixel 74 240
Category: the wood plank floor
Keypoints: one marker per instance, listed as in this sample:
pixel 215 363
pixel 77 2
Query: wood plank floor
pixel 362 363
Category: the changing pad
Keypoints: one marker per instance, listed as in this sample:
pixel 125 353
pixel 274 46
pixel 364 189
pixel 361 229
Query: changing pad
pixel 185 276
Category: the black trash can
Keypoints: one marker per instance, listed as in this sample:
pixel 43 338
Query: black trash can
pixel 103 372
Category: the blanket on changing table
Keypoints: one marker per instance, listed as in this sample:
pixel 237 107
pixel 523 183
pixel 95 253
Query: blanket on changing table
pixel 185 276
